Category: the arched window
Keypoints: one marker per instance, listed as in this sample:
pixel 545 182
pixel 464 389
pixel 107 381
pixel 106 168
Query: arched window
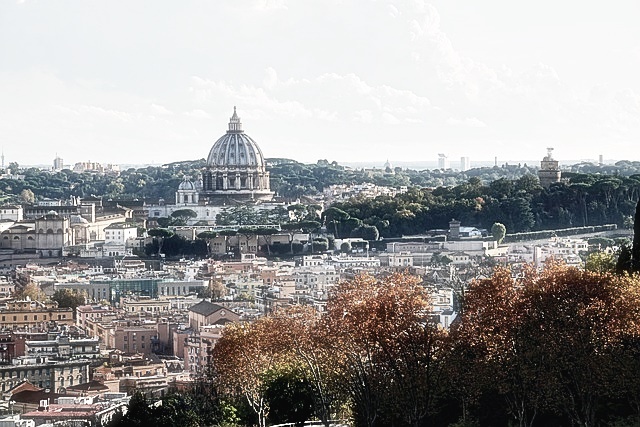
pixel 16 237
pixel 49 231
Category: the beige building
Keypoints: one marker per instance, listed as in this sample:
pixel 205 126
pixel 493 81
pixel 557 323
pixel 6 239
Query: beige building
pixel 206 313
pixel 43 372
pixel 134 339
pixel 47 236
pixel 146 306
pixel 198 347
pixel 11 212
pixel 27 314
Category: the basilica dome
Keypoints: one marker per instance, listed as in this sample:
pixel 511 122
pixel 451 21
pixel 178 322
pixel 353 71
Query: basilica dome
pixel 235 148
pixel 235 169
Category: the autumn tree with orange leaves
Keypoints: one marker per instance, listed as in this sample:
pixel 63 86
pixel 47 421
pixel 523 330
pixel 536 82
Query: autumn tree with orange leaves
pixel 389 353
pixel 548 342
pixel 243 358
pixel 304 337
pixel 556 347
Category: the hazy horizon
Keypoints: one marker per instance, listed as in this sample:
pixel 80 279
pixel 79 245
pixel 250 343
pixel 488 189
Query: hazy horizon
pixel 407 164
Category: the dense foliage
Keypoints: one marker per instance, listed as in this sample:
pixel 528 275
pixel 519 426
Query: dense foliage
pixel 559 347
pixel 520 205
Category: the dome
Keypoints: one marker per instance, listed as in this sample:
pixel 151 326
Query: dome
pixel 235 148
pixel 235 171
pixel 77 220
pixel 187 185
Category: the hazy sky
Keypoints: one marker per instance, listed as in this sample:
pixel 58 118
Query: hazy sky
pixel 347 80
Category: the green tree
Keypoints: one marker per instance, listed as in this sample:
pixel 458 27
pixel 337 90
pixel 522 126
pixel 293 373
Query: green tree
pixel 32 291
pixel 498 231
pixel 600 262
pixel 207 236
pixel 27 196
pixel 333 217
pixel 290 397
pixel 366 232
pixel 292 228
pixel 139 413
pixel 67 298
pixel 266 233
pixel 160 234
pixel 182 216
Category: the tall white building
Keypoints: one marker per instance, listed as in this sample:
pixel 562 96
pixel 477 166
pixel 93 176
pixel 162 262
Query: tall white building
pixel 58 163
pixel 443 161
pixel 465 164
pixel 116 237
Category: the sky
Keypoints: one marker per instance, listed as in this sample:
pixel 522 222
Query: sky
pixel 155 81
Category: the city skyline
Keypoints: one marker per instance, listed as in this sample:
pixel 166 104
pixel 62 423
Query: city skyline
pixel 361 81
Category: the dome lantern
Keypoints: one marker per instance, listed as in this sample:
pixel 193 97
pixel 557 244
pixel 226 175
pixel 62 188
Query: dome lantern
pixel 234 123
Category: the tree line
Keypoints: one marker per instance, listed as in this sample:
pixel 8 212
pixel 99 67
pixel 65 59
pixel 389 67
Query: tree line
pixel 289 178
pixel 521 205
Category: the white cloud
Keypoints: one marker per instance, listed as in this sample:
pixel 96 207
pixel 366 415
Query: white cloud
pixel 364 116
pixel 270 4
pixel 473 122
pixel 159 109
pixel 197 114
